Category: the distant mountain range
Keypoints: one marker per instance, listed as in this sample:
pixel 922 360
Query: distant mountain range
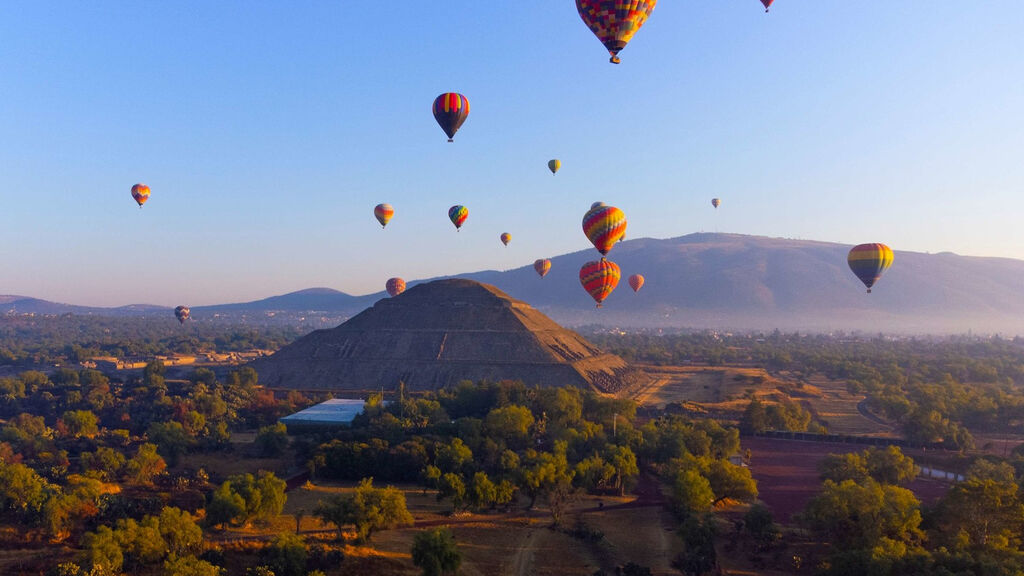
pixel 723 281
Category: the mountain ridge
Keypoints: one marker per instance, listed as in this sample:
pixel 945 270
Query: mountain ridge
pixel 733 281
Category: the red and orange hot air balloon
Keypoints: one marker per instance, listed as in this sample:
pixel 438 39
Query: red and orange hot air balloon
pixel 451 110
pixel 458 214
pixel 636 282
pixel 542 266
pixel 140 192
pixel 599 278
pixel 614 22
pixel 505 238
pixel 383 214
pixel 767 4
pixel 604 226
pixel 395 286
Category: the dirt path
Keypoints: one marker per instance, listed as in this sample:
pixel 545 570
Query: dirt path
pixel 522 562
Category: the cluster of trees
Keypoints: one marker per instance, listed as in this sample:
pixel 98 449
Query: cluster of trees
pixel 935 389
pixel 783 415
pixel 875 526
pixel 49 340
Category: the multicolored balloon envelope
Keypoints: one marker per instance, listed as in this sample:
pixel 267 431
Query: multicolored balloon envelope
pixel 395 286
pixel 542 266
pixel 869 261
pixel 597 205
pixel 383 214
pixel 506 238
pixel 182 313
pixel 716 202
pixel 636 282
pixel 140 192
pixel 614 22
pixel 599 278
pixel 554 165
pixel 458 214
pixel 604 226
pixel 451 110
pixel 767 4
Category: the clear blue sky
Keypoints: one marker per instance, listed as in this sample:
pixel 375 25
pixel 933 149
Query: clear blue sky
pixel 269 130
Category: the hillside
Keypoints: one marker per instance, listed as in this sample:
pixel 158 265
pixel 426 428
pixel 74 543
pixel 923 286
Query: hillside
pixel 722 281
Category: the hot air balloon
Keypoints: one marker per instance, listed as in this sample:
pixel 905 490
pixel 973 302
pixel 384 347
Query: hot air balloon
pixel 542 266
pixel 383 214
pixel 395 286
pixel 599 278
pixel 506 238
pixel 604 226
pixel 636 282
pixel 597 205
pixel 458 214
pixel 182 313
pixel 141 193
pixel 869 261
pixel 614 22
pixel 450 111
pixel 554 165
pixel 716 202
pixel 767 4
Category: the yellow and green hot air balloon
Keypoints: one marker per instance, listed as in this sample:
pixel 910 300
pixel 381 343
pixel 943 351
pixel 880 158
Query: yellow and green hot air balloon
pixel 554 165
pixel 869 262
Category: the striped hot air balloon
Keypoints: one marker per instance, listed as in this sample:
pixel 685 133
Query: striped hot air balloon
pixel 554 165
pixel 636 282
pixel 140 192
pixel 614 22
pixel 716 202
pixel 182 313
pixel 383 214
pixel 604 226
pixel 395 286
pixel 505 238
pixel 869 261
pixel 599 278
pixel 458 214
pixel 451 110
pixel 767 4
pixel 542 266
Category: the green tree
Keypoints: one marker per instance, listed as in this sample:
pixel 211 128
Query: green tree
pixel 272 440
pixel 890 465
pixel 369 509
pixel 691 492
pixel 482 492
pixel 80 424
pixel 102 549
pixel 435 552
pixel 623 462
pixel 145 465
pixel 982 515
pixel 452 487
pixel 862 516
pixel 454 456
pixel 510 423
pixel 755 418
pixel 180 531
pixel 699 556
pixel 287 555
pixel 190 566
pixel 171 439
pixel 758 522
pixel 106 461
pixel 730 481
pixel 226 506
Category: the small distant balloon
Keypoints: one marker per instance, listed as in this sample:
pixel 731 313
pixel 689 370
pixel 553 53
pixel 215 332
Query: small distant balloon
pixel 383 214
pixel 506 238
pixel 395 286
pixel 614 22
pixel 636 282
pixel 182 313
pixel 542 266
pixel 554 165
pixel 767 4
pixel 604 226
pixel 599 278
pixel 451 110
pixel 869 261
pixel 458 214
pixel 140 192
pixel 716 202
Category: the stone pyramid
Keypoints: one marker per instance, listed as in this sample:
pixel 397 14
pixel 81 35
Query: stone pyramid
pixel 437 334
